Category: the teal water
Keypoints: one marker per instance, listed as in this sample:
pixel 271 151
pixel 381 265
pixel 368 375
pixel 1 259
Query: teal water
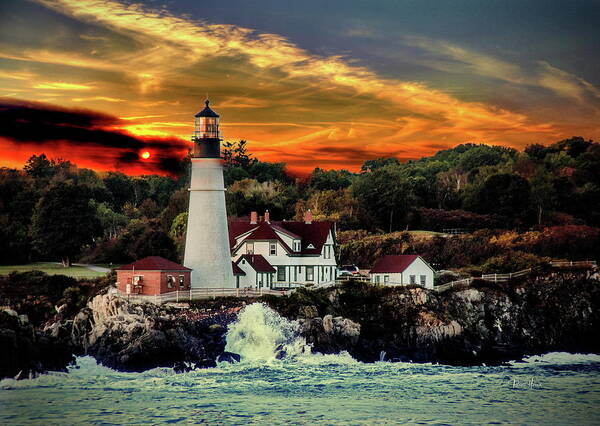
pixel 556 388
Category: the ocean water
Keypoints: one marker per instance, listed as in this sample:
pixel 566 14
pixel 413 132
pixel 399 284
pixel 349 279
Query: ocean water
pixel 555 388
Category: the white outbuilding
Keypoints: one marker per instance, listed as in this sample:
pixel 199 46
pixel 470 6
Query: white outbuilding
pixel 402 270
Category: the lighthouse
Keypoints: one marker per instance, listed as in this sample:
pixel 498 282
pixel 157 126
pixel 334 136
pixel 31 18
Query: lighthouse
pixel 207 250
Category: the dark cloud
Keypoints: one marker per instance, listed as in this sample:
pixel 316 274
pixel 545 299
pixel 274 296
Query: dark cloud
pixel 48 125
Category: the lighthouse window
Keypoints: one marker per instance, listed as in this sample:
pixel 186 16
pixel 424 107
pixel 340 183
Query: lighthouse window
pixel 273 249
pixel 249 248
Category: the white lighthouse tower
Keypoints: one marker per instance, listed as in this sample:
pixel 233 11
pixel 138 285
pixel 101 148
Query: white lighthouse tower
pixel 207 250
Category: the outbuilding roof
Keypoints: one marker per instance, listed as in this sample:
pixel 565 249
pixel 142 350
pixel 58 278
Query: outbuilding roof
pixel 393 263
pixel 236 269
pixel 153 263
pixel 258 262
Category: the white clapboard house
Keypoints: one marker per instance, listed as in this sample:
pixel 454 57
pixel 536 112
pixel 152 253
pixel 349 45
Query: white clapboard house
pixel 282 254
pixel 402 270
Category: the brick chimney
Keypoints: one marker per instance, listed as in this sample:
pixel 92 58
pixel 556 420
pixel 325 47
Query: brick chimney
pixel 267 216
pixel 308 217
pixel 253 218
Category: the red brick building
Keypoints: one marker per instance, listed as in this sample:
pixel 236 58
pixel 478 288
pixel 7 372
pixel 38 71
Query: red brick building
pixel 152 275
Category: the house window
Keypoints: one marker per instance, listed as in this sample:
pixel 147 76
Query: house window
pixel 273 249
pixel 181 281
pixel 423 280
pixel 413 279
pixel 281 273
pixel 170 281
pixel 376 279
pixel 386 278
pixel 249 248
pixel 296 245
pixel 260 280
pixel 310 273
pixel 327 252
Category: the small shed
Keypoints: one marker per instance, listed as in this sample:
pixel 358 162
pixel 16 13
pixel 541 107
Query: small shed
pixel 151 276
pixel 402 270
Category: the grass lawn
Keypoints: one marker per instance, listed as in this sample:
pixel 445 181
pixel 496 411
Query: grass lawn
pixel 51 269
pixel 426 233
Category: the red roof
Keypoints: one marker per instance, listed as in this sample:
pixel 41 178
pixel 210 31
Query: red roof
pixel 393 263
pixel 314 233
pixel 154 263
pixel 237 270
pixel 258 262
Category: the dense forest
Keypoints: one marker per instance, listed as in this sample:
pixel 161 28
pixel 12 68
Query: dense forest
pixel 514 207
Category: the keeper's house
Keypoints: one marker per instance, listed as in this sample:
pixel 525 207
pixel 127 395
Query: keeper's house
pixel 151 276
pixel 282 254
pixel 402 270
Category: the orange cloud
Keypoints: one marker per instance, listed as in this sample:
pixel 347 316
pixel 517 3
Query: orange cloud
pixel 288 103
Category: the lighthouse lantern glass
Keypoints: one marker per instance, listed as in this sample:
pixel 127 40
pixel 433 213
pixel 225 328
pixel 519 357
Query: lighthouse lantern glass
pixel 206 127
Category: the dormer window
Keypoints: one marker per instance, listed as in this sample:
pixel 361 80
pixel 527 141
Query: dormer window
pixel 297 246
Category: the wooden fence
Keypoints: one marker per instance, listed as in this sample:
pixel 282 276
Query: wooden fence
pixel 200 293
pixel 466 282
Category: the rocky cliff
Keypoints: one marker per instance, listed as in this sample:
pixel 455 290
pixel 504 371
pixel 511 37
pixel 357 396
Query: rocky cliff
pixel 26 352
pixel 136 337
pixel 486 323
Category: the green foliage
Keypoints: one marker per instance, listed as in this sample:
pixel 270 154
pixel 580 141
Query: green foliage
pixel 506 195
pixel 64 221
pixel 178 232
pixel 385 195
pixel 334 180
pixel 512 261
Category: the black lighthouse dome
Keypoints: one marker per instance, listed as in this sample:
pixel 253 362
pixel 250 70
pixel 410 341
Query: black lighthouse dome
pixel 206 135
pixel 207 112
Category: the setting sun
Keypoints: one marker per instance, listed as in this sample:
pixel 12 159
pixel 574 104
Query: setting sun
pixel 145 155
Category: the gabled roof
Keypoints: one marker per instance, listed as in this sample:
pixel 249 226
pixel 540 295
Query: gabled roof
pixel 153 263
pixel 236 269
pixel 257 262
pixel 393 263
pixel 314 233
pixel 263 232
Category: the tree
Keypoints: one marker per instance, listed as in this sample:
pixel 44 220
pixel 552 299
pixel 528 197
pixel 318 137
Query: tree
pixel 64 220
pixel 155 243
pixel 329 179
pixel 372 165
pixel 504 194
pixel 39 167
pixel 121 189
pixel 385 195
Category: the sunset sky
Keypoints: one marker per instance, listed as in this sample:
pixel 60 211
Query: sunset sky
pixel 311 83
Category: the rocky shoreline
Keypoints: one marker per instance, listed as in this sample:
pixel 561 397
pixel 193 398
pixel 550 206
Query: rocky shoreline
pixel 486 323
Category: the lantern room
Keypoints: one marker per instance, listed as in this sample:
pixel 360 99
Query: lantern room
pixel 206 124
